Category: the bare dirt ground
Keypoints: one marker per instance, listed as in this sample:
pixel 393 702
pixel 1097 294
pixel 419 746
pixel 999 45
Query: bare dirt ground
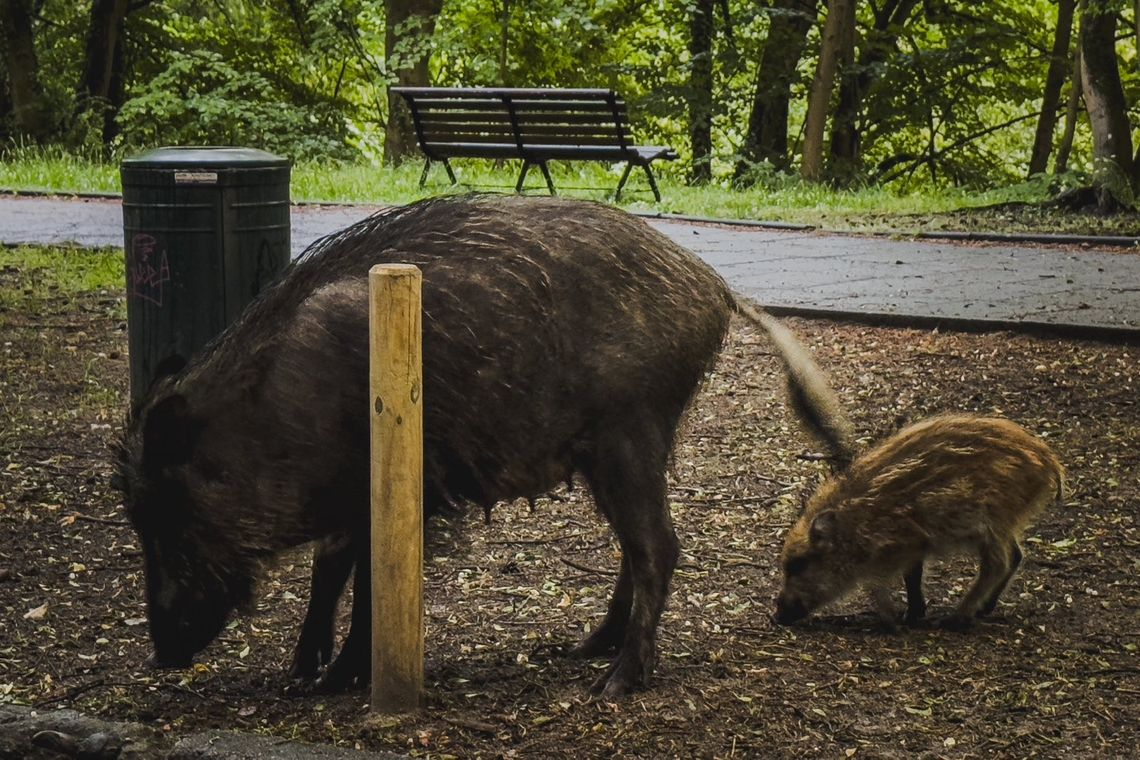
pixel 1053 674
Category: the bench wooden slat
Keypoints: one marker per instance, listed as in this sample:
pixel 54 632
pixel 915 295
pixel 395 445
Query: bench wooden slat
pixel 528 137
pixel 490 104
pixel 443 138
pixel 532 93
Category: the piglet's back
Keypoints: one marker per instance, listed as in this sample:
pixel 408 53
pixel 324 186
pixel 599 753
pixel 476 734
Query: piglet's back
pixel 958 466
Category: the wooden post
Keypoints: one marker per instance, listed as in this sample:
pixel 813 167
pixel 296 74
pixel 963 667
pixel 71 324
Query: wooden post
pixel 396 385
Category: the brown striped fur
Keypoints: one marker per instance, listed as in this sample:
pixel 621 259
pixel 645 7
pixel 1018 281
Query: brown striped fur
pixel 949 483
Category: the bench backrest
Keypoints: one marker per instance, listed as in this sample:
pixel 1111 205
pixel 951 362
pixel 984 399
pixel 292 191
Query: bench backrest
pixel 518 117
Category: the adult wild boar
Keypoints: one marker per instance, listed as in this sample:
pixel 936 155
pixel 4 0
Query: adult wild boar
pixel 559 337
pixel 947 483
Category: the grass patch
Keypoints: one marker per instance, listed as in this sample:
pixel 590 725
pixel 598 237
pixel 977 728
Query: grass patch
pixel 52 169
pixel 38 273
pixel 776 197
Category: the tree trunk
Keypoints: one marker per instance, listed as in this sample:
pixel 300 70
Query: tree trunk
pixel 819 101
pixel 5 108
pixel 1054 80
pixel 844 132
pixel 409 28
pixel 1072 112
pixel 846 140
pixel 1136 29
pixel 31 115
pixel 104 39
pixel 701 90
pixel 504 41
pixel 767 136
pixel 1107 109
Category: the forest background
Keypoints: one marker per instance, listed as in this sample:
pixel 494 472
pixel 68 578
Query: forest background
pixel 897 94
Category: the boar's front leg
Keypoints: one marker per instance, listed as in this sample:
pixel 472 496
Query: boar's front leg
pixel 627 477
pixel 607 637
pixel 353 664
pixel 332 564
pixel 915 601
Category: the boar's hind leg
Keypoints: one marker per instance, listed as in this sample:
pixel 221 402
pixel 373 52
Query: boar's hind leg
pixel 332 564
pixel 995 569
pixel 915 601
pixel 627 477
pixel 607 637
pixel 991 603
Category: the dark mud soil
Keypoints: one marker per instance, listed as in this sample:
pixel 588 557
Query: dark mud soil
pixel 1055 673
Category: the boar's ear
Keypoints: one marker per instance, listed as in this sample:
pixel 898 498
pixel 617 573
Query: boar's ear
pixel 823 527
pixel 169 434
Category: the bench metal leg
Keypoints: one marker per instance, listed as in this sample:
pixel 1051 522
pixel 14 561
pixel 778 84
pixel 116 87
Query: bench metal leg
pixel 652 182
pixel 625 176
pixel 545 173
pixel 621 182
pixel 446 165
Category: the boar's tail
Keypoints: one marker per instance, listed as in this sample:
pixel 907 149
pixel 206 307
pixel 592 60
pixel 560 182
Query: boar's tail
pixel 811 396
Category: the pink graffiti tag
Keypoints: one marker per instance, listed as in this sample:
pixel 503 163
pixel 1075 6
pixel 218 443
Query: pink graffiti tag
pixel 150 270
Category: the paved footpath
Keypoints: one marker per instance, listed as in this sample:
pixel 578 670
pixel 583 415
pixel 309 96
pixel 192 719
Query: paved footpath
pixel 1067 289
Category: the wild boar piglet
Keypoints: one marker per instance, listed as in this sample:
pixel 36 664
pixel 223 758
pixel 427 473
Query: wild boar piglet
pixel 946 484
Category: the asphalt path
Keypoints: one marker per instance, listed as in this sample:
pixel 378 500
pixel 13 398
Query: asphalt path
pixel 1067 289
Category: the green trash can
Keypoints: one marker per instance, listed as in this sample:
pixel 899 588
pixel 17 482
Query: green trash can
pixel 205 230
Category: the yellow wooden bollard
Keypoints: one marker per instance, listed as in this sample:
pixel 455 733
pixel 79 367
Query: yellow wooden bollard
pixel 396 390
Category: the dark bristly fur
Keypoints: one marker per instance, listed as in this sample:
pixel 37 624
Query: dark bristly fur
pixel 948 483
pixel 560 337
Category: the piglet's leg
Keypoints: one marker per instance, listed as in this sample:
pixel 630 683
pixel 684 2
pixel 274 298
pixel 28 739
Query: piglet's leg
pixel 1015 561
pixel 996 567
pixel 884 606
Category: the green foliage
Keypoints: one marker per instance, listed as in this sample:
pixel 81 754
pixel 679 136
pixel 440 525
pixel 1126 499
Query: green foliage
pixel 953 101
pixel 253 74
pixel 957 74
pixel 202 99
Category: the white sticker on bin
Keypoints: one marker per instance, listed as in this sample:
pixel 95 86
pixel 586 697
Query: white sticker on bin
pixel 195 178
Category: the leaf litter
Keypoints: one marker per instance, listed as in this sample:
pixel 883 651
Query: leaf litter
pixel 1054 674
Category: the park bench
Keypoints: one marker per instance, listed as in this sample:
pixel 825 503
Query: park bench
pixel 534 125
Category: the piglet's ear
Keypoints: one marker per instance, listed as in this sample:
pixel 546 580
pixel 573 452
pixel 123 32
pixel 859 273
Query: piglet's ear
pixel 169 434
pixel 823 528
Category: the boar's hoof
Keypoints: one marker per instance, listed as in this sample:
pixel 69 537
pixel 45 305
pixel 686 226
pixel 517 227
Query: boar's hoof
pixel 600 643
pixel 888 624
pixel 956 622
pixel 344 674
pixel 153 662
pixel 626 674
pixel 788 616
pixel 308 661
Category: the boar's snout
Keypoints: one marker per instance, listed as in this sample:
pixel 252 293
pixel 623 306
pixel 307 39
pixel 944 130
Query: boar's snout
pixel 789 610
